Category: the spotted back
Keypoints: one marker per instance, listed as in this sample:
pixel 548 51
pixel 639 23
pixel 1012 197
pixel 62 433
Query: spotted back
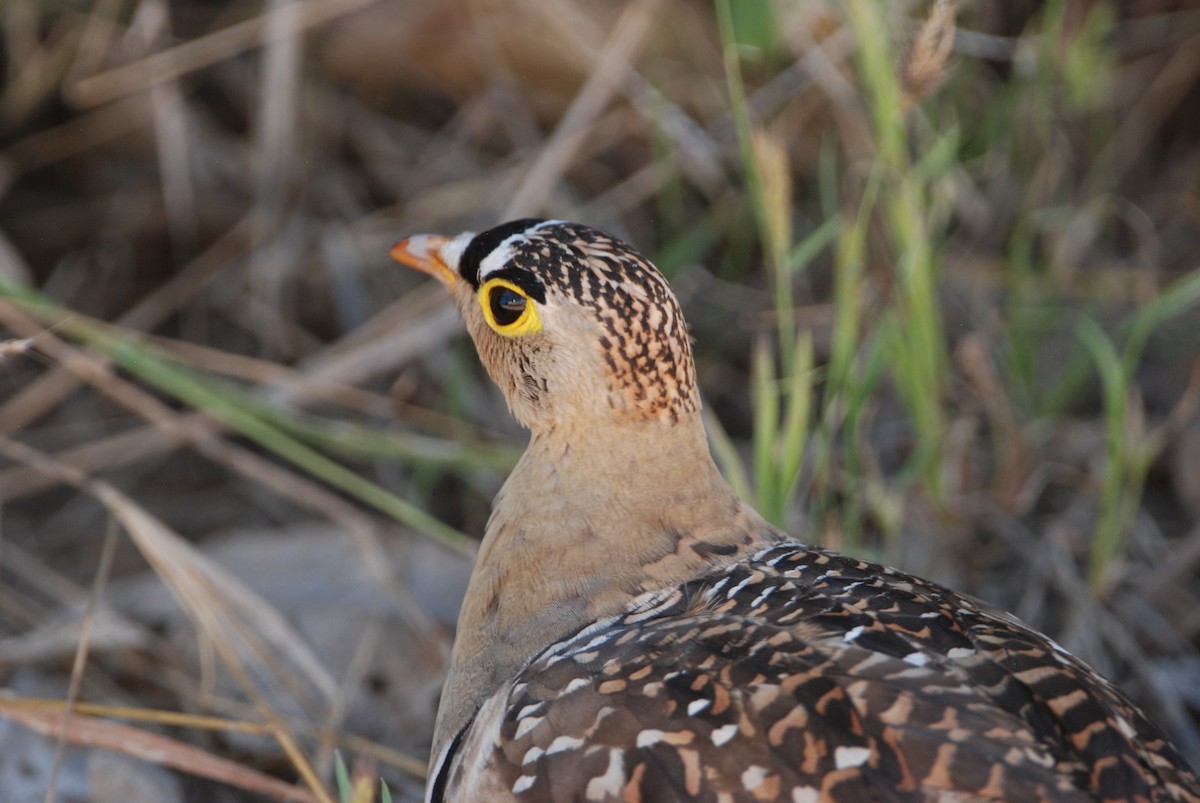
pixel 803 675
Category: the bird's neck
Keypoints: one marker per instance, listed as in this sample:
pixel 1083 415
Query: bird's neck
pixel 586 522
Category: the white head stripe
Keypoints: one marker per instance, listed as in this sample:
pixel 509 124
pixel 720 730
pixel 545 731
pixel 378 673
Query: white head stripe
pixel 502 253
pixel 452 251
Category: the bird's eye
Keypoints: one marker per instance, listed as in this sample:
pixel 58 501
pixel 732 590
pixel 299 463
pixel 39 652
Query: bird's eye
pixel 507 305
pixel 508 309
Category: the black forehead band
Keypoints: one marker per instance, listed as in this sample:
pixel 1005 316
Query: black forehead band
pixel 485 242
pixel 523 279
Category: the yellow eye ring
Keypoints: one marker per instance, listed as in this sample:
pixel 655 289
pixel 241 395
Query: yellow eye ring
pixel 508 309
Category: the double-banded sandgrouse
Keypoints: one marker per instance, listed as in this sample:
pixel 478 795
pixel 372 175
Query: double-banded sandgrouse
pixel 633 631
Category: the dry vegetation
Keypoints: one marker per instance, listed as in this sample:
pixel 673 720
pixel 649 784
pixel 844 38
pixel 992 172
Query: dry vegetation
pixel 943 285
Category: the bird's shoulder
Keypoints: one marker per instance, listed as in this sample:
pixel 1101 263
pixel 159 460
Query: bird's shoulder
pixel 801 674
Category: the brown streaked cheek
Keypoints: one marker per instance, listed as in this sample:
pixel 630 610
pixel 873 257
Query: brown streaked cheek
pixel 647 370
pixel 492 354
pixel 530 380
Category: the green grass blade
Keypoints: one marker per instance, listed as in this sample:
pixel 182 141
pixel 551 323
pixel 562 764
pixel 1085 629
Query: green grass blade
pixel 1174 301
pixel 765 396
pixel 158 371
pixel 811 246
pixel 342 775
pixel 794 438
pixel 138 361
pixel 1114 514
pixel 727 457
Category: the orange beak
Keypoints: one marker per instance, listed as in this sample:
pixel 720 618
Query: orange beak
pixel 423 252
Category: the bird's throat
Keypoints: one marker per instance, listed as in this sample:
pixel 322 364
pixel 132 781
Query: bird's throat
pixel 586 522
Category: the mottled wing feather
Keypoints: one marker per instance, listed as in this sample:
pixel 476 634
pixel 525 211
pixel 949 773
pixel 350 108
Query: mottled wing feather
pixel 805 675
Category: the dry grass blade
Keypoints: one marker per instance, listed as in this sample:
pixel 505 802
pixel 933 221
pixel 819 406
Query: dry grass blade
pixel 81 652
pixel 41 62
pixel 1009 442
pixel 1155 104
pixel 17 347
pixel 172 135
pixel 12 264
pixel 196 54
pixel 771 158
pixel 602 83
pixel 924 67
pixel 79 136
pixel 155 716
pixel 385 755
pixel 390 338
pixel 87 731
pixel 400 332
pixel 276 124
pixel 232 620
pixel 1175 571
pixel 221 604
pixel 277 121
pixel 38 397
pixel 198 432
pixel 107 453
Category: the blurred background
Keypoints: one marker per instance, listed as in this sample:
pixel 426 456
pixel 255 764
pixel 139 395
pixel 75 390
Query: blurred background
pixel 939 263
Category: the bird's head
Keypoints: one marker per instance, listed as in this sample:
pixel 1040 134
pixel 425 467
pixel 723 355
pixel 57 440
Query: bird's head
pixel 570 322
